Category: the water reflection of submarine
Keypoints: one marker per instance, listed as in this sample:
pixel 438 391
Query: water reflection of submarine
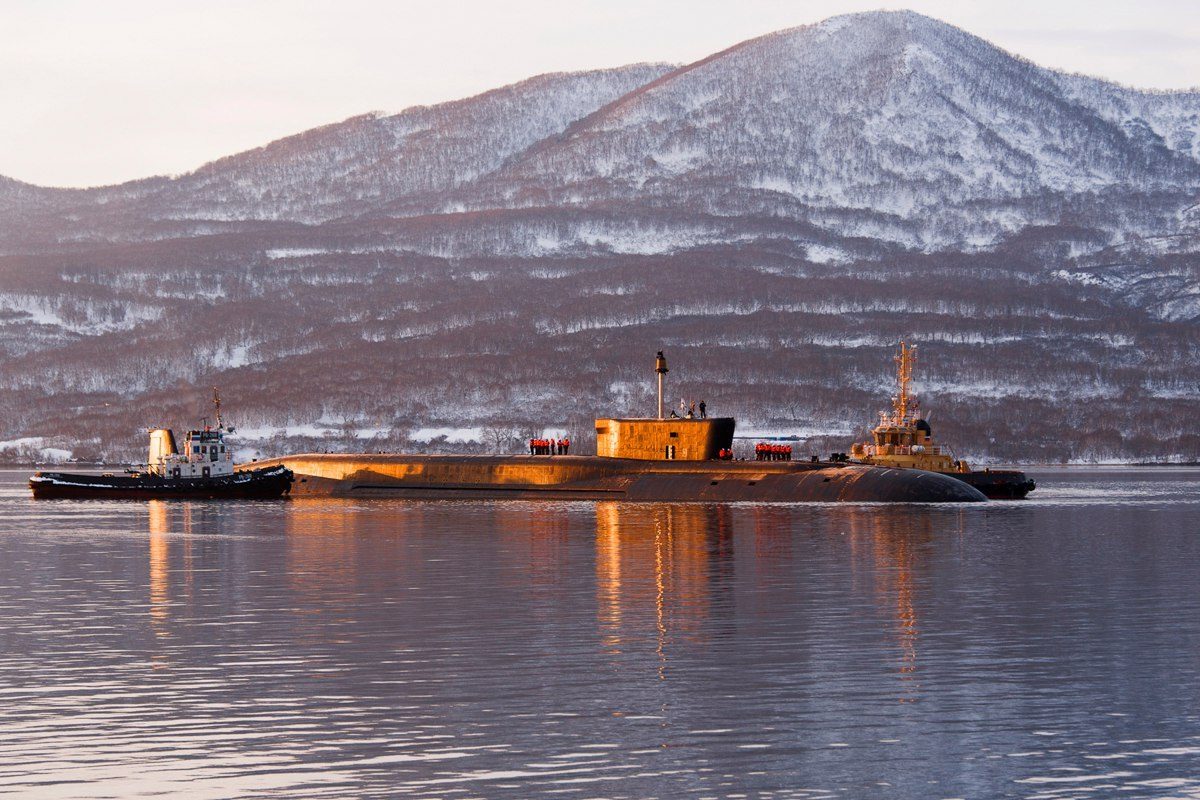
pixel 641 459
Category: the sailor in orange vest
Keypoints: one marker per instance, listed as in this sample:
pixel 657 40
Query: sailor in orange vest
pixel 566 445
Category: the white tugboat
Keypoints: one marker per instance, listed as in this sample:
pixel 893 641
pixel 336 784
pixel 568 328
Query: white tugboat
pixel 203 469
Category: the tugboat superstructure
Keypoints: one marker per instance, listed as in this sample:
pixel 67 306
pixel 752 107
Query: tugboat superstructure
pixel 205 454
pixel 904 439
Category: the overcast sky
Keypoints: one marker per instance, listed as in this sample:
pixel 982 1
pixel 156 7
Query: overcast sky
pixel 101 92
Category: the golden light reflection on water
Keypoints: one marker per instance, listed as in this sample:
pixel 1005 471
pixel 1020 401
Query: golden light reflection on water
pixel 321 552
pixel 166 523
pixel 655 564
pixel 894 544
pixel 660 570
pixel 160 568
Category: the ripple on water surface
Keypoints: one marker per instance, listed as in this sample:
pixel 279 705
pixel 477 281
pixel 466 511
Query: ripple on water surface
pixel 1043 649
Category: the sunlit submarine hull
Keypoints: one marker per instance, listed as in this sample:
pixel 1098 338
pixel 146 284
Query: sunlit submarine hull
pixel 601 478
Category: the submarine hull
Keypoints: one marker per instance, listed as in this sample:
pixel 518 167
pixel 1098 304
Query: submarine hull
pixel 601 478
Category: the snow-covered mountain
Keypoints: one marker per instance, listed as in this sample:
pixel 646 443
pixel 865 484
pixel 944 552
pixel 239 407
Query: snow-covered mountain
pixel 351 168
pixel 889 125
pixel 794 202
pixel 886 124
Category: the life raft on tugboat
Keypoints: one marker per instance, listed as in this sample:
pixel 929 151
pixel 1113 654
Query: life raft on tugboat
pixel 204 470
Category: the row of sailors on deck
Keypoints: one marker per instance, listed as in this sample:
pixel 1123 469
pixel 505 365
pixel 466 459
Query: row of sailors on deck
pixel 549 447
pixel 764 451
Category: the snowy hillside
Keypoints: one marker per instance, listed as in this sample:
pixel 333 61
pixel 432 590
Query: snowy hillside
pixel 776 215
pixel 889 125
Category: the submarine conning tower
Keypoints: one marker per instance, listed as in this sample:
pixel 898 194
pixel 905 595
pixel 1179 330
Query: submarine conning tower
pixel 678 438
pixel 664 439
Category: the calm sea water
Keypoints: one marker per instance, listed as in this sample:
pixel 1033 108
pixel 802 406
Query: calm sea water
pixel 1041 649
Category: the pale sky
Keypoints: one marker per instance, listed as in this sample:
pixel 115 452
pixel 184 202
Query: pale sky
pixel 103 91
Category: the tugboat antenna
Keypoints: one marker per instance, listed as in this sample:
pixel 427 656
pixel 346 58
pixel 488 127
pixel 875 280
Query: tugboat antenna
pixel 902 403
pixel 217 405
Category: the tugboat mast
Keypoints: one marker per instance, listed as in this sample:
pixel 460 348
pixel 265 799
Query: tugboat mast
pixel 217 405
pixel 904 402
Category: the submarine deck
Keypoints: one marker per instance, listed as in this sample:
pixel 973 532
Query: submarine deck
pixel 602 478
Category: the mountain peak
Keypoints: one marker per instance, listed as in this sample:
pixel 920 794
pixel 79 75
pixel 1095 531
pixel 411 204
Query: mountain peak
pixel 876 114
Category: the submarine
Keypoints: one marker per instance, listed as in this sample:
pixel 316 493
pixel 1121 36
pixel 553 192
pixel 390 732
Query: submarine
pixel 657 459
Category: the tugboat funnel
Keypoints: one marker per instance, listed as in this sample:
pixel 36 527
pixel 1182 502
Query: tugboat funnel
pixel 162 445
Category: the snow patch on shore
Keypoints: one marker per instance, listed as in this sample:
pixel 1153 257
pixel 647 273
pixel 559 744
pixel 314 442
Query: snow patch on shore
pixel 453 435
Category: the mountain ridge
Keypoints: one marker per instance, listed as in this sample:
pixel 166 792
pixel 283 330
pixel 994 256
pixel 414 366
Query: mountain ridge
pixel 775 215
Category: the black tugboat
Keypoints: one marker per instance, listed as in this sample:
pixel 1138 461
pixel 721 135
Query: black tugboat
pixel 902 439
pixel 204 470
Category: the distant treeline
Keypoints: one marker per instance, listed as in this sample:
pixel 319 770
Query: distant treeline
pixel 1013 364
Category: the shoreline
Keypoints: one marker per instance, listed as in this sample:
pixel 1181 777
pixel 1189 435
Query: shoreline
pixel 17 465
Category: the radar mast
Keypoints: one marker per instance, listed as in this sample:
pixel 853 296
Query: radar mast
pixel 904 402
pixel 217 406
